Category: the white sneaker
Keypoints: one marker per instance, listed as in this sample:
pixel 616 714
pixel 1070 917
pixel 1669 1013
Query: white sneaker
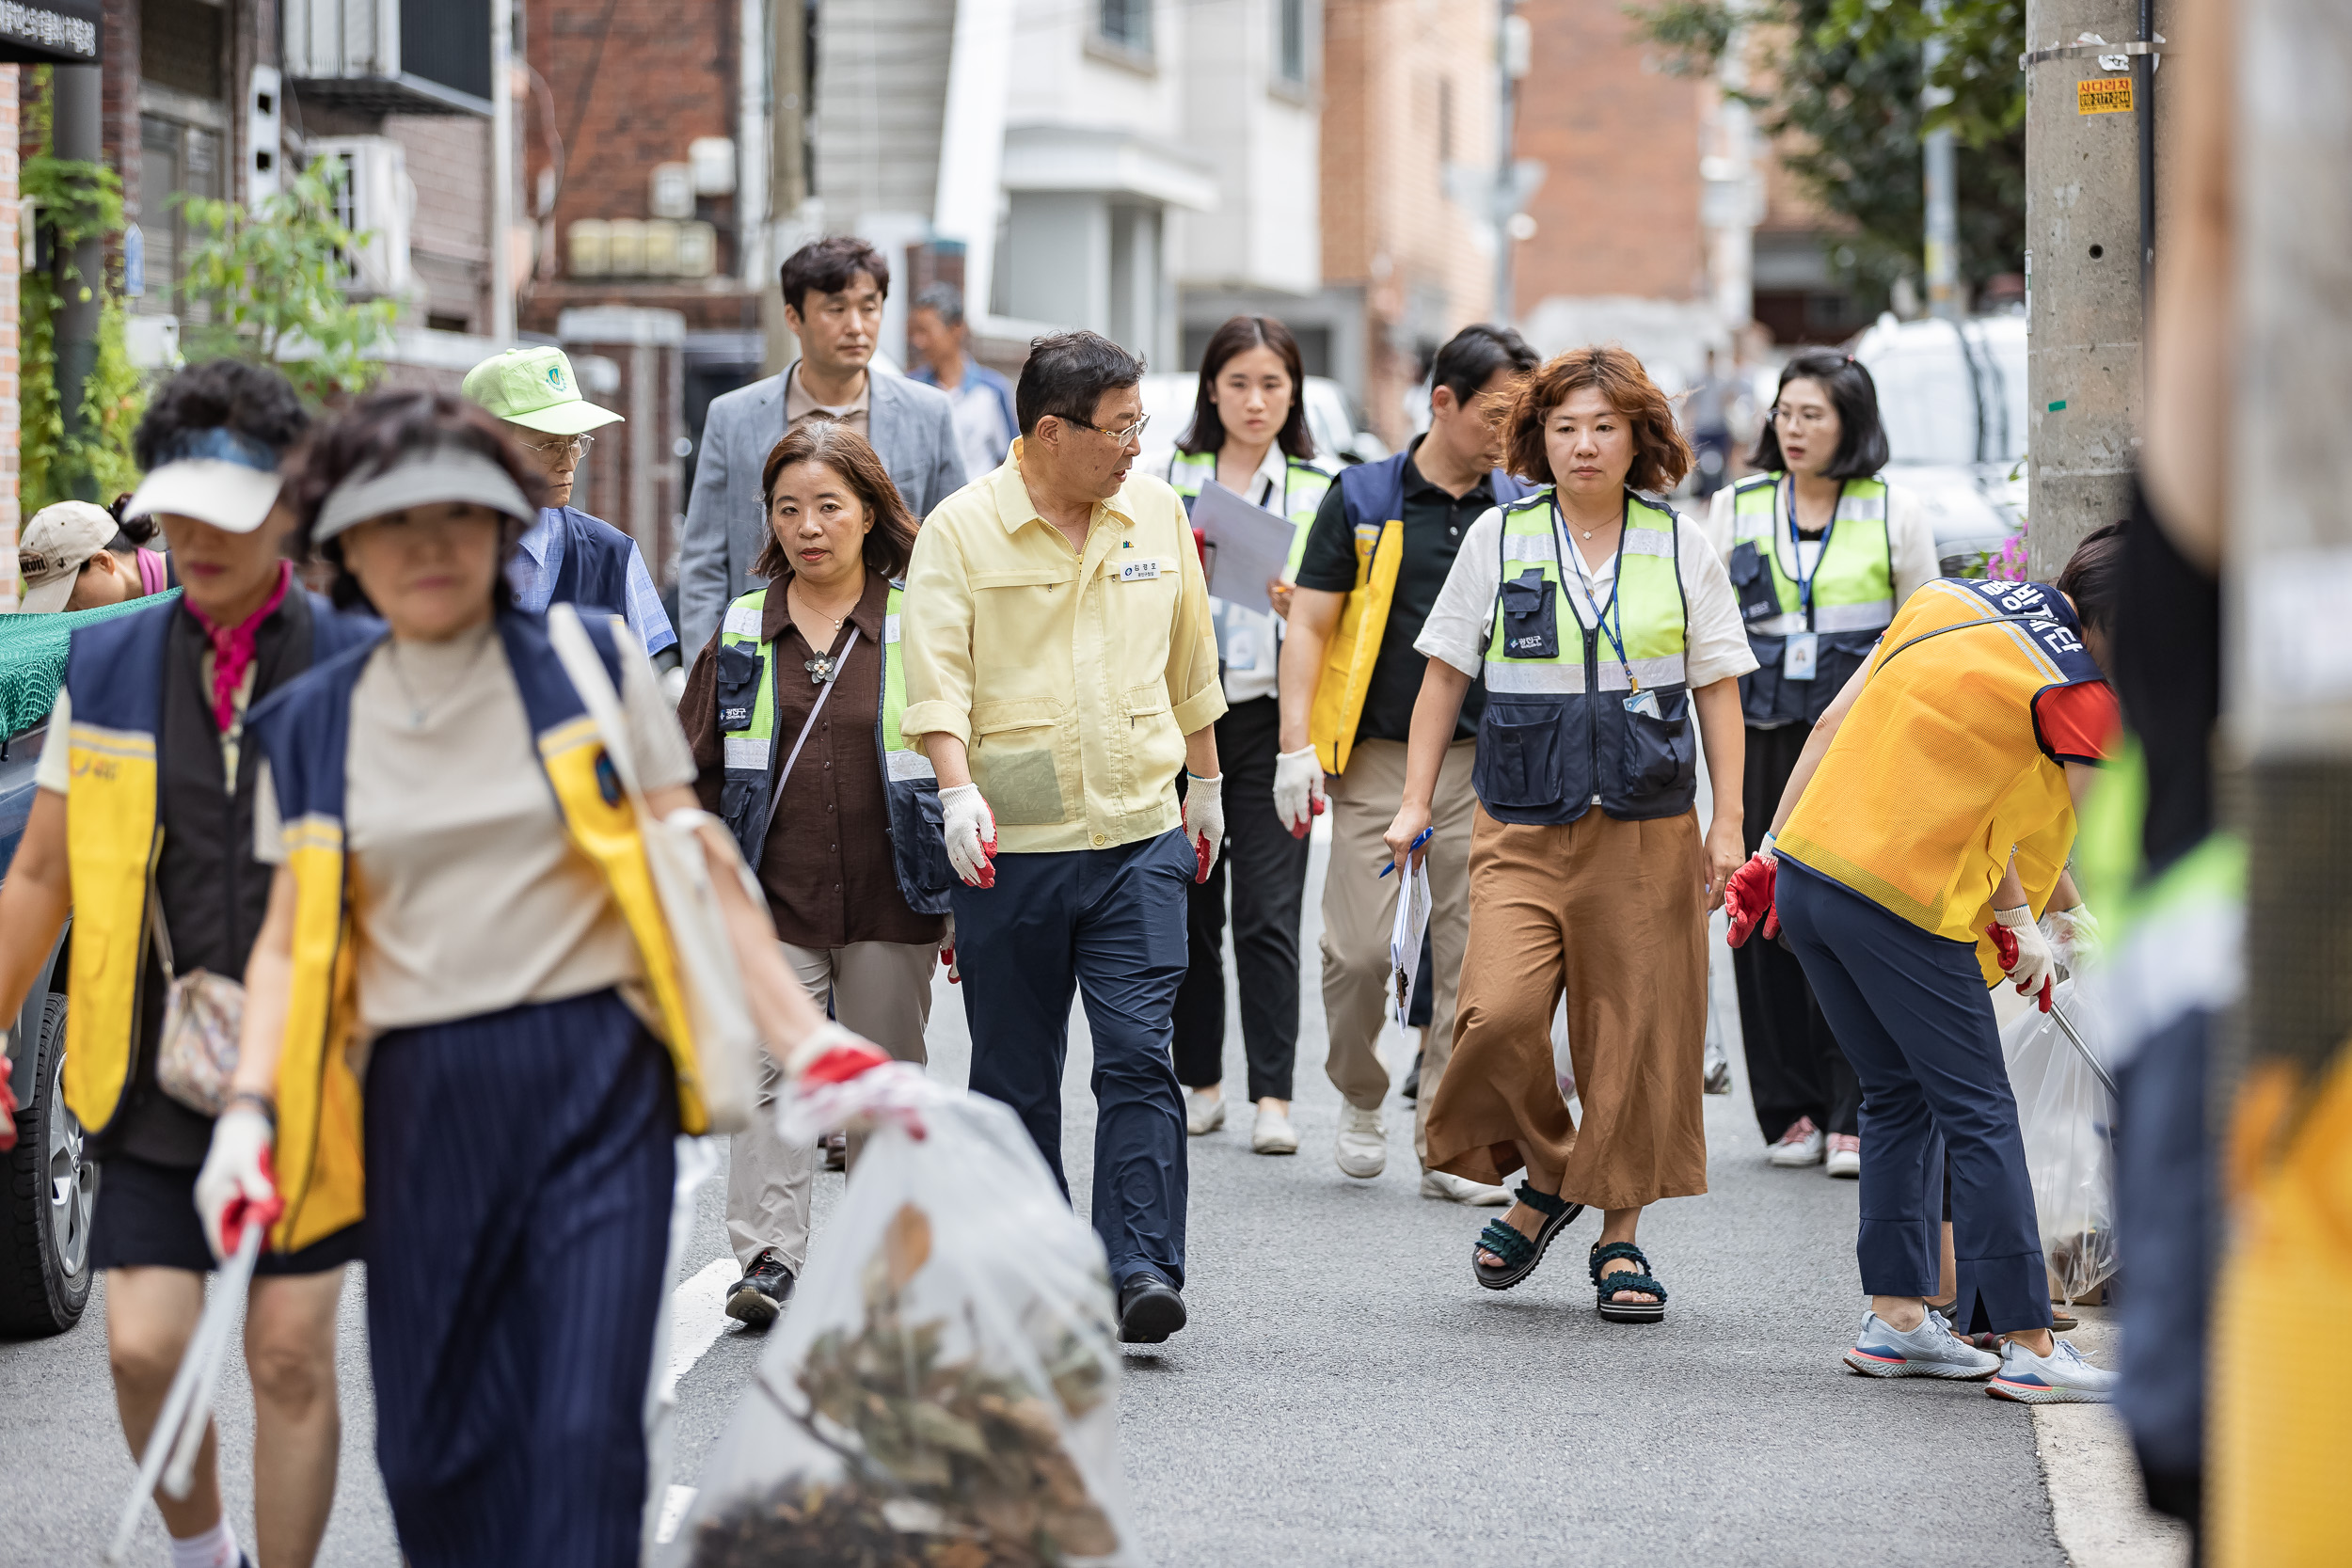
pixel 1363 1147
pixel 1845 1156
pixel 2061 1377
pixel 1272 1133
pixel 1203 1112
pixel 1461 1189
pixel 1800 1146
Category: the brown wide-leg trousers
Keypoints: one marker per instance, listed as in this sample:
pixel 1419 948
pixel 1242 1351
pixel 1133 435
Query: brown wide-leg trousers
pixel 1616 913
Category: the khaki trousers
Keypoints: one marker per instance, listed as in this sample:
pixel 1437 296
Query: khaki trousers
pixel 880 989
pixel 1359 910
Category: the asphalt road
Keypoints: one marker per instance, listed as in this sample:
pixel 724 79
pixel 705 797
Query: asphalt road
pixel 1345 1394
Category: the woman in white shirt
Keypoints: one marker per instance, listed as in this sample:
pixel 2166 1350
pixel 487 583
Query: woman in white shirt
pixel 463 919
pixel 1249 434
pixel 1603 623
pixel 1822 552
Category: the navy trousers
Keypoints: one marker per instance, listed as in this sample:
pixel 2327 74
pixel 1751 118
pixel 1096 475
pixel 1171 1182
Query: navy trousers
pixel 1911 1014
pixel 1108 924
pixel 519 1172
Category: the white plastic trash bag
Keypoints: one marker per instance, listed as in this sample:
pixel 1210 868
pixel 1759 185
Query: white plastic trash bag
pixel 2068 1119
pixel 942 1391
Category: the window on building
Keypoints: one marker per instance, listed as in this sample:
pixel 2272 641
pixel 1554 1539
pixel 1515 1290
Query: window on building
pixel 1290 42
pixel 175 161
pixel 1125 24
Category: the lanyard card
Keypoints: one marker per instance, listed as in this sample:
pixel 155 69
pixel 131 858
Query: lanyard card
pixel 1798 656
pixel 1644 704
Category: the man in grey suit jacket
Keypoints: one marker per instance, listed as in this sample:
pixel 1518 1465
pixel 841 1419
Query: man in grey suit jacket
pixel 833 289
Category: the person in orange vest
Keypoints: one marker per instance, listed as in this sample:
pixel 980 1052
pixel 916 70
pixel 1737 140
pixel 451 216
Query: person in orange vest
pixel 1918 857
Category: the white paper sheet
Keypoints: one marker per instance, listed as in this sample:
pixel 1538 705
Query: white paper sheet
pixel 1248 546
pixel 1412 919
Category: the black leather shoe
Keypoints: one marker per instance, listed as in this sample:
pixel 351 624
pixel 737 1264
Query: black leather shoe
pixel 1148 1310
pixel 837 1147
pixel 1412 1082
pixel 760 1295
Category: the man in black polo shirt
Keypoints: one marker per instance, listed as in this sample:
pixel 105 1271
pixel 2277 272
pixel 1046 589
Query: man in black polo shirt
pixel 1379 552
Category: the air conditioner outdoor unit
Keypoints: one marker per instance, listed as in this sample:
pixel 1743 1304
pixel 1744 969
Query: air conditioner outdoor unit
pixel 374 200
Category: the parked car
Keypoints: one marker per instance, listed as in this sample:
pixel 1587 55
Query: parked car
pixel 47 1183
pixel 1953 395
pixel 1332 419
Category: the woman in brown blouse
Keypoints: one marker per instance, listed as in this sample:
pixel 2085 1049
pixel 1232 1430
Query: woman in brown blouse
pixel 793 712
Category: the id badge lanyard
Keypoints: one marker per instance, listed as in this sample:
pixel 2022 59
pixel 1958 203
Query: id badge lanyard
pixel 1801 653
pixel 1636 700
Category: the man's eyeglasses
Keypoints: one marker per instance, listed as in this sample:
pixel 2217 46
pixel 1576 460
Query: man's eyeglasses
pixel 1122 436
pixel 568 446
pixel 1813 417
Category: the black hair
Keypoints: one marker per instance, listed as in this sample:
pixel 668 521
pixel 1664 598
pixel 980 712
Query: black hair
pixel 944 299
pixel 1239 336
pixel 130 537
pixel 1861 448
pixel 1065 375
pixel 1472 356
pixel 381 429
pixel 253 402
pixel 2093 577
pixel 827 265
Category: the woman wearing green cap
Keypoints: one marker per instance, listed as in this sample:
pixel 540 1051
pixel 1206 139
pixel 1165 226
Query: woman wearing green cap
pixel 566 556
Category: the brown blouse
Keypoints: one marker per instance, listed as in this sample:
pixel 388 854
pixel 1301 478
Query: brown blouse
pixel 826 866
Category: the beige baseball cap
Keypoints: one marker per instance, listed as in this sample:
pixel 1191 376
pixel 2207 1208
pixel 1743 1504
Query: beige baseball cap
pixel 53 547
pixel 533 388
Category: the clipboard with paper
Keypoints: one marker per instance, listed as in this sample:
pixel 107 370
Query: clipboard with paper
pixel 1412 919
pixel 1248 546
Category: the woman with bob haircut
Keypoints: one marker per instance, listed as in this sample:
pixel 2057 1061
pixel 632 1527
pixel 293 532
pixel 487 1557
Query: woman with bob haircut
pixel 1601 622
pixel 1822 552
pixel 1249 434
pixel 793 715
pixel 462 920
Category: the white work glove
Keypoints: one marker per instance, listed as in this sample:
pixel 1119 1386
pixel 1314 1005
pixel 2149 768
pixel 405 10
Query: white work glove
pixel 948 950
pixel 1298 798
pixel 2073 935
pixel 236 1185
pixel 2028 959
pixel 1204 820
pixel 970 829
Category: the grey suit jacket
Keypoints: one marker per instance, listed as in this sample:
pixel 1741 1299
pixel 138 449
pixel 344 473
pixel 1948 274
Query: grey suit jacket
pixel 913 428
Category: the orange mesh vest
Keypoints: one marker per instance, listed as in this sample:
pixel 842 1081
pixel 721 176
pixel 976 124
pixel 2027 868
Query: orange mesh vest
pixel 1937 773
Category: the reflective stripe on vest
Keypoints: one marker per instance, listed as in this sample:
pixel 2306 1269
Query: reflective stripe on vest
pixel 753 752
pixel 1854 585
pixel 1649 605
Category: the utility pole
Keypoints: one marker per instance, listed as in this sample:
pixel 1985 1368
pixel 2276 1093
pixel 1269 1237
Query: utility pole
pixel 1943 227
pixel 502 171
pixel 788 161
pixel 77 128
pixel 1513 48
pixel 2084 266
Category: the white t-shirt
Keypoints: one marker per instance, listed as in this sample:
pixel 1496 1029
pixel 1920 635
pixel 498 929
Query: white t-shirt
pixel 1910 541
pixel 1460 627
pixel 467 895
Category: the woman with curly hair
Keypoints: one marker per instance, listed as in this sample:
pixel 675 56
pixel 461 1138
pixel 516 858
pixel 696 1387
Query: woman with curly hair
pixel 1602 621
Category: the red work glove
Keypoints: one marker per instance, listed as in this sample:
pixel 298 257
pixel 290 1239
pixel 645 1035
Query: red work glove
pixel 838 1064
pixel 1748 899
pixel 2005 950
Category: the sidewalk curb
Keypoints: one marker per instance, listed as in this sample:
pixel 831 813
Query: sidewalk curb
pixel 2096 1505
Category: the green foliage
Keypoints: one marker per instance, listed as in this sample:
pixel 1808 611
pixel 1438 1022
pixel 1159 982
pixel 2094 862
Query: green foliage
pixel 267 288
pixel 1843 90
pixel 78 201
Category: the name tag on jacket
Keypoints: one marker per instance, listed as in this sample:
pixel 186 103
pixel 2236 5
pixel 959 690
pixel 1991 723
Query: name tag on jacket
pixel 1139 571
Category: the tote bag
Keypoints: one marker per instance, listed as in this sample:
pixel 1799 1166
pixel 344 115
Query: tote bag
pixel 726 1043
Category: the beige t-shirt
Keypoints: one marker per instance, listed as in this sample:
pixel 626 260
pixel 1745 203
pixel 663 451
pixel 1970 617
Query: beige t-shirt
pixel 468 895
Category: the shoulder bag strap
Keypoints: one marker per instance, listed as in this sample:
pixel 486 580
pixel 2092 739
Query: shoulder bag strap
pixel 156 925
pixel 784 772
pixel 585 669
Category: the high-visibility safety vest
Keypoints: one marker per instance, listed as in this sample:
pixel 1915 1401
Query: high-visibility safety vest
pixel 1303 489
pixel 1373 497
pixel 1557 738
pixel 1853 596
pixel 754 748
pixel 306 731
pixel 114 835
pixel 1938 772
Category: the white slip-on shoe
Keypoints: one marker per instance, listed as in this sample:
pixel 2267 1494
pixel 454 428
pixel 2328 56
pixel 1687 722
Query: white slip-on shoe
pixel 1203 1112
pixel 1845 1156
pixel 1363 1145
pixel 1272 1133
pixel 1461 1189
pixel 1799 1147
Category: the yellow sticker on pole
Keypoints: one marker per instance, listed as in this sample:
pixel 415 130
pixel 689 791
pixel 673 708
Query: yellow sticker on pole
pixel 2110 95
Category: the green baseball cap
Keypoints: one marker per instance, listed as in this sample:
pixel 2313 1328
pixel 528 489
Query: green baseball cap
pixel 533 388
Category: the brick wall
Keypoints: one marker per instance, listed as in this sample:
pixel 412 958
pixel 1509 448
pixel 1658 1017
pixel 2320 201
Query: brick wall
pixel 1618 212
pixel 11 421
pixel 449 233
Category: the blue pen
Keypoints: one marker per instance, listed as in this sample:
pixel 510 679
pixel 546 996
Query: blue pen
pixel 1419 839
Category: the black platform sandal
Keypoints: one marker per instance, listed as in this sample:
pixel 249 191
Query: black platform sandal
pixel 1608 1284
pixel 1519 1255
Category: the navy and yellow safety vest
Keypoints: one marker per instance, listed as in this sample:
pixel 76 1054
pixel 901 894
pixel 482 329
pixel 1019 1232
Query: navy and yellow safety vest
pixel 1558 737
pixel 754 747
pixel 1851 597
pixel 114 837
pixel 305 729
pixel 1372 494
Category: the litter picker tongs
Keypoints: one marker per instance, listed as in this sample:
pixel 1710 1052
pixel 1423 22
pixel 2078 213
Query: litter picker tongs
pixel 2066 1026
pixel 179 1433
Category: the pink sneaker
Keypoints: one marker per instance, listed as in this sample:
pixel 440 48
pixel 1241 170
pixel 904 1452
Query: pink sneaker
pixel 1800 1146
pixel 1845 1155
